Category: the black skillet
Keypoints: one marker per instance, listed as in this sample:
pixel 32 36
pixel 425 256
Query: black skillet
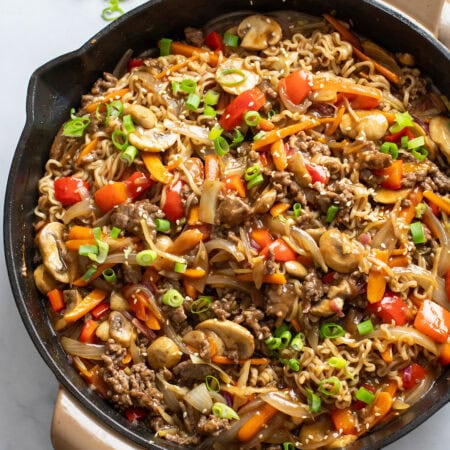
pixel 58 85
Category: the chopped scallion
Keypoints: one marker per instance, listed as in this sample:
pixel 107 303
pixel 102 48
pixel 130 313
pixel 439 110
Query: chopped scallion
pixel 201 305
pixel 416 142
pixel 175 87
pixel 237 138
pixel 76 126
pixel 330 386
pixel 129 154
pixel 221 146
pixel 420 153
pixel 146 257
pixel 115 232
pixel 402 120
pixel 119 139
pixel 224 411
pixel 251 172
pixel 420 210
pixel 172 298
pixel 297 208
pixel 298 342
pixel 209 111
pixel 188 86
pixel 89 273
pixel 192 101
pixel 211 97
pixel 365 395
pixel 288 446
pixel 109 275
pixel 331 213
pixel 212 383
pixel 314 401
pixel 273 343
pixel 337 362
pixel 331 330
pixel 404 141
pixel 128 124
pixel 215 132
pixel 162 225
pixel 365 327
pixel 165 47
pixel 112 12
pixel 294 364
pixel 85 250
pixel 252 118
pixel 180 267
pixel 231 77
pixel 230 40
pixel 390 148
pixel 417 233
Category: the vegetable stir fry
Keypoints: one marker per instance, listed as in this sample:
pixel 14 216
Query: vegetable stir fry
pixel 244 240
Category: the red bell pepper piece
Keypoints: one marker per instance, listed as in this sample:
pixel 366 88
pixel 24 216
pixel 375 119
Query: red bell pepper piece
pixel 392 175
pixel 173 205
pixel 328 278
pixel 100 310
pixel 214 41
pixel 296 86
pixel 397 137
pixel 88 331
pixel 251 100
pixel 70 190
pixel 318 173
pixel 136 413
pixel 390 308
pixel 281 251
pixel 433 320
pixel 261 237
pixel 134 62
pixel 137 184
pixel 412 375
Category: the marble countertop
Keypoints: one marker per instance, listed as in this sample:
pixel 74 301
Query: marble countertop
pixel 33 32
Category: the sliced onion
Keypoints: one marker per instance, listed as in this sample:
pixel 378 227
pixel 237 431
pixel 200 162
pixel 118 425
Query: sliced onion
pixel 208 201
pixel 233 166
pixel 224 281
pixel 421 389
pixel 192 131
pixel 82 349
pixel 308 243
pixel 79 209
pixel 248 390
pixel 385 236
pixel 222 244
pixel 439 294
pixel 286 404
pixel 423 276
pixel 199 398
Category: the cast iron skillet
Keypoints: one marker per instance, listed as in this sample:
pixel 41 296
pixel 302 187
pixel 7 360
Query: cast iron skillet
pixel 58 85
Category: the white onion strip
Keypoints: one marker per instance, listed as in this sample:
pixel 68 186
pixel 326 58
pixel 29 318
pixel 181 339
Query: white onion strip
pixel 84 350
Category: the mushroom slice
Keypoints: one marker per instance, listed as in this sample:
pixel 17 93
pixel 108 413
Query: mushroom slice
pixel 43 280
pixel 371 125
pixel 142 115
pixel 154 140
pixel 440 133
pixel 388 196
pixel 120 328
pixel 233 78
pixel 259 32
pixel 60 263
pixel 234 336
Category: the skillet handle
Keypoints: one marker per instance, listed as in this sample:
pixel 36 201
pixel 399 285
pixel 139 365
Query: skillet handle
pixel 74 428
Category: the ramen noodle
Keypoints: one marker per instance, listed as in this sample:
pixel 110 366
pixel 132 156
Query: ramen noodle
pixel 244 239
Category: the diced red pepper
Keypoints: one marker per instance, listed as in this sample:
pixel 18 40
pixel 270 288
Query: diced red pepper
pixel 397 137
pixel 296 86
pixel 100 310
pixel 214 41
pixel 251 100
pixel 412 375
pixel 390 308
pixel 87 334
pixel 134 62
pixel 137 184
pixel 173 205
pixel 261 237
pixel 318 173
pixel 70 190
pixel 281 251
pixel 136 413
pixel 433 320
pixel 392 175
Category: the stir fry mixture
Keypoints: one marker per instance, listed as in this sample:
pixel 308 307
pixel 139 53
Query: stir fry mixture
pixel 243 235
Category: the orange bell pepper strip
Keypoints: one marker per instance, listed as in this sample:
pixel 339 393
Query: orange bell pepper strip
pixel 392 175
pixel 220 359
pixel 376 283
pixel 266 125
pixel 176 67
pixel 347 87
pixel 194 273
pixel 442 203
pixel 378 409
pixel 279 208
pixel 75 244
pixel 88 332
pixel 110 96
pixel 111 195
pixel 234 183
pixel 180 48
pixel 158 171
pixel 278 152
pixel 387 354
pixel 89 302
pixel 88 148
pixel 343 420
pixel 256 422
pixel 433 320
pixel 193 216
pixel 335 124
pixel 408 213
pixel 56 299
pixel 261 236
pixel 280 250
pixel 80 232
pixel 152 322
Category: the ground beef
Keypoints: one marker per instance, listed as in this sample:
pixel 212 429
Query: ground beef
pixel 312 288
pixel 232 211
pixel 286 187
pixel 369 157
pixel 100 87
pixel 131 273
pixel 189 373
pixel 441 180
pixel 415 177
pixel 307 144
pixel 226 306
pixel 281 300
pixel 253 318
pixel 212 425
pixel 194 36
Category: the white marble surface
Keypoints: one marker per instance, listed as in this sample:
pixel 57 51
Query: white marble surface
pixel 31 33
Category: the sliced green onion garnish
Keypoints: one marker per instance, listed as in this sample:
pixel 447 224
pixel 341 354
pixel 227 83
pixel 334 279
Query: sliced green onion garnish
pixel 172 298
pixel 221 146
pixel 252 172
pixel 298 342
pixel 230 40
pixel 273 343
pixel 162 225
pixel 252 118
pixel 112 12
pixel 417 233
pixel 365 395
pixel 259 135
pixel 331 330
pixel 211 97
pixel 97 231
pixel 420 153
pixel 115 232
pixel 165 47
pixel 209 111
pixel 192 102
pixel 331 213
pixel 128 124
pixel 231 77
pixel 281 329
pixel 288 446
pixel 416 142
pixel 86 250
pixel 390 148
pixel 180 267
pixel 237 138
pixel 188 86
pixel 103 249
pixel 297 208
pixel 330 386
pixel 255 181
pixel 404 141
pixel 129 154
pixel 119 139
pixel 215 132
pixel 285 338
pixel 271 113
pixel 337 362
pixel 224 411
pixel 115 108
pixel 314 401
pixel 402 120
pixel 201 305
pixel 365 327
pixel 212 383
pixel 75 127
pixel 109 275
pixel 294 364
pixel 146 257
pixel 176 87
pixel 89 273
pixel 420 210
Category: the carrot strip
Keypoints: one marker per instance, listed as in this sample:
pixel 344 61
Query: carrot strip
pixel 185 242
pixel 88 148
pixel 279 208
pixel 376 283
pixel 391 387
pixel 195 273
pixel 337 120
pixel 261 236
pixel 273 278
pixel 176 67
pixel 266 125
pixel 256 422
pixel 190 290
pixel 152 322
pixel 295 325
pixel 220 359
pixel 180 48
pixel 114 95
pixel 80 282
pixel 398 261
pixel 193 216
pixel 234 183
pixel 126 359
pixel 409 212
pixel 278 152
pixel 442 203
pixel 387 355
pixel 212 167
pixel 391 76
pixel 345 33
pixel 444 357
pixel 56 299
pixel 344 421
pixel 379 409
pixel 157 169
pixel 80 232
pixel 88 303
pixel 75 244
pixel 281 133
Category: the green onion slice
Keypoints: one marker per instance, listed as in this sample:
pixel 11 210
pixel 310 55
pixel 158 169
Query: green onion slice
pixel 180 267
pixel 331 213
pixel 252 118
pixel 420 210
pixel 231 77
pixel 271 113
pixel 298 342
pixel 188 86
pixel 288 446
pixel 365 395
pixel 294 364
pixel 115 232
pixel 129 154
pixel 224 411
pixel 314 401
pixel 285 338
pixel 390 148
pixel 209 111
pixel 76 126
pixel 365 327
pixel 162 225
pixel 230 40
pixel 109 275
pixel 259 135
pixel 402 120
pixel 176 85
pixel 237 138
pixel 221 146
pixel 201 305
pixel 165 47
pixel 146 257
pixel 330 386
pixel 112 12
pixel 337 362
pixel 273 343
pixel 297 208
pixel 172 298
pixel 417 233
pixel 119 139
pixel 404 141
pixel 212 383
pixel 211 97
pixel 192 101
pixel 255 181
pixel 128 124
pixel 420 153
pixel 89 273
pixel 331 330
pixel 416 142
pixel 281 329
pixel 252 172
pixel 86 250
pixel 215 132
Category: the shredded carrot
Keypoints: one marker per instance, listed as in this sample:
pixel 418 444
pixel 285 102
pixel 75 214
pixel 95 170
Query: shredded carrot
pixel 408 213
pixel 89 302
pixel 272 278
pixel 190 290
pixel 281 133
pixel 442 203
pixel 387 354
pixel 279 208
pixel 376 283
pixel 185 242
pixel 337 120
pixel 114 95
pixel 220 359
pixel 295 325
pixel 88 148
pixel 80 282
pixel 212 167
pixel 152 322
pixel 278 152
pixel 256 422
pixel 391 76
pixel 75 244
pixel 195 273
pixel 81 232
pixel 193 216
pixel 398 261
pixel 266 125
pixel 157 169
pixel 343 420
pixel 234 183
pixel 180 48
pixel 345 33
pixel 56 299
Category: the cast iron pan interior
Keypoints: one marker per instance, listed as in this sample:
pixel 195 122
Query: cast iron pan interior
pixel 58 86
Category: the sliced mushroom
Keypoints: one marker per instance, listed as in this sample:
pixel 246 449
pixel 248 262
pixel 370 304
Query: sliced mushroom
pixel 388 196
pixel 327 307
pixel 102 331
pixel 371 125
pixel 296 269
pixel 141 115
pixel 61 263
pixel 296 165
pixel 259 32
pixel 440 133
pixel 233 78
pixel 154 140
pixel 120 328
pixel 163 352
pixel 43 280
pixel 118 302
pixel 235 337
pixel 380 55
pixel 340 252
pixel 265 201
pixel 198 339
